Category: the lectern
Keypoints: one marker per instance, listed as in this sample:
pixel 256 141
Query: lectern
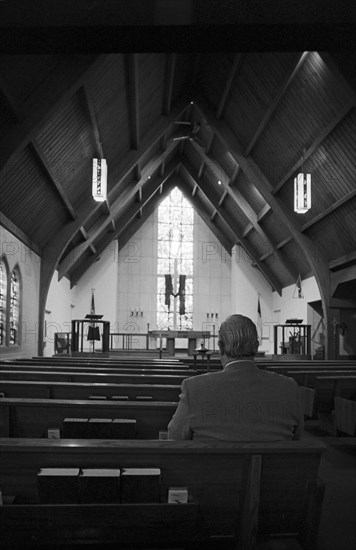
pixel 89 329
pixel 294 338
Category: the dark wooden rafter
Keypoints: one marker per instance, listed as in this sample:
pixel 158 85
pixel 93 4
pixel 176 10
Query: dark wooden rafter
pixel 351 195
pixel 230 222
pixel 316 143
pixel 11 103
pixel 240 202
pixel 12 228
pixel 256 177
pixel 52 177
pixel 133 98
pixel 236 64
pixel 342 276
pixel 58 90
pixel 343 260
pixel 223 238
pixel 92 121
pixel 168 89
pixel 290 76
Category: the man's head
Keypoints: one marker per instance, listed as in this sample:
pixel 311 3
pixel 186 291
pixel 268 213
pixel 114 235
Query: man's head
pixel 238 337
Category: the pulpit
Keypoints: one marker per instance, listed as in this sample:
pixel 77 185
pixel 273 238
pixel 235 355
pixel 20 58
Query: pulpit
pixel 294 339
pixel 92 328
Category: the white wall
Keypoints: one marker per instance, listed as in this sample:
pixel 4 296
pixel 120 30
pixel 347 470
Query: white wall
pixel 247 285
pixel 58 312
pixel 29 265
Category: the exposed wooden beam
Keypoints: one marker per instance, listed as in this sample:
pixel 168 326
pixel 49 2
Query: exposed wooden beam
pixel 52 177
pixel 264 212
pixel 290 76
pixel 256 177
pixel 134 98
pixel 230 222
pixel 329 210
pixel 316 143
pixel 12 228
pixel 240 201
pixel 171 59
pixel 226 92
pixel 62 84
pixel 342 260
pixel 342 276
pixel 91 117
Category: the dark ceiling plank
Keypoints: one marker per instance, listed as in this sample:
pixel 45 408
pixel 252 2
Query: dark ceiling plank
pixel 342 260
pixel 157 131
pixel 340 79
pixel 52 177
pixel 168 89
pixel 329 210
pixel 256 177
pixel 290 76
pixel 62 84
pixel 133 98
pixel 92 122
pixel 316 143
pixel 10 101
pixel 265 271
pixel 226 92
pixel 12 228
pixel 240 202
pixel 344 275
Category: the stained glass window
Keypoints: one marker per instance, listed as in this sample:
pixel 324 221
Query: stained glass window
pixel 175 260
pixel 14 307
pixel 3 296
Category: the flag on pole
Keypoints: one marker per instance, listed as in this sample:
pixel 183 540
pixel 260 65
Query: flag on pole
pixel 298 292
pixel 259 321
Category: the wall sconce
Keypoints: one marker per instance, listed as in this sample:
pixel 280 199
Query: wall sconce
pixel 136 312
pixel 212 315
pixel 99 180
pixel 302 191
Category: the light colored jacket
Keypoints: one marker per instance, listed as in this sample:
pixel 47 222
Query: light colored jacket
pixel 239 403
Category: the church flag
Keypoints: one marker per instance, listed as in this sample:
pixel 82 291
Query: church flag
pixel 259 321
pixel 298 292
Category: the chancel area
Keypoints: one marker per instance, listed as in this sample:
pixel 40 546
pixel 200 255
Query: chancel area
pixel 146 197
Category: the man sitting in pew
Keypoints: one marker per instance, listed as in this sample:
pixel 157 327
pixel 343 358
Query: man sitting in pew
pixel 241 402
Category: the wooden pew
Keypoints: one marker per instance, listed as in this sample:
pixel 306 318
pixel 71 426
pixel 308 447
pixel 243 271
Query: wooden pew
pixel 134 363
pixel 166 379
pixel 345 416
pixel 84 390
pixel 238 493
pixel 94 370
pixel 33 417
pixel 329 387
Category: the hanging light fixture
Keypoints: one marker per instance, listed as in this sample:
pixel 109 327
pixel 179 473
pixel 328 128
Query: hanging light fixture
pixel 302 191
pixel 99 184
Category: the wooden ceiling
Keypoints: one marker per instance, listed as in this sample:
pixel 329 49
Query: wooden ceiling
pixel 258 113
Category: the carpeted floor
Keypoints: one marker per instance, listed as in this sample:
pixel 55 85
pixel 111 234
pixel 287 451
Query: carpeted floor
pixel 338 471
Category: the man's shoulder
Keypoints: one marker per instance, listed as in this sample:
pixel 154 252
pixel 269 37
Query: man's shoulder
pixel 207 377
pixel 279 378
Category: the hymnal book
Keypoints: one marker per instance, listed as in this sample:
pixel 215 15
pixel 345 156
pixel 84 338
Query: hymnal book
pixel 140 485
pixel 58 485
pixel 163 434
pixel 75 428
pixel 123 428
pixel 177 495
pixel 99 485
pixel 99 428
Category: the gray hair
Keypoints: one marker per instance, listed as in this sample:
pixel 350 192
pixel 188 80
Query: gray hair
pixel 238 337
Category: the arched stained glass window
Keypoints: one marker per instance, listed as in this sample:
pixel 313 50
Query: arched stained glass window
pixel 14 307
pixel 175 263
pixel 3 302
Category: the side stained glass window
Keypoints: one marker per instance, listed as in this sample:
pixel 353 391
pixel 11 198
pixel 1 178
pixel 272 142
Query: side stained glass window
pixel 14 307
pixel 3 297
pixel 175 263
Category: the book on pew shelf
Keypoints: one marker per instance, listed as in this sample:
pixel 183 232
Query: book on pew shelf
pixel 53 433
pixel 140 485
pixel 75 428
pixel 99 428
pixel 58 485
pixel 2 394
pixel 120 397
pixel 177 495
pixel 100 397
pixel 123 428
pixel 99 485
pixel 144 397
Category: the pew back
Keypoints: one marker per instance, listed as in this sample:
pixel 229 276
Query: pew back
pixel 240 489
